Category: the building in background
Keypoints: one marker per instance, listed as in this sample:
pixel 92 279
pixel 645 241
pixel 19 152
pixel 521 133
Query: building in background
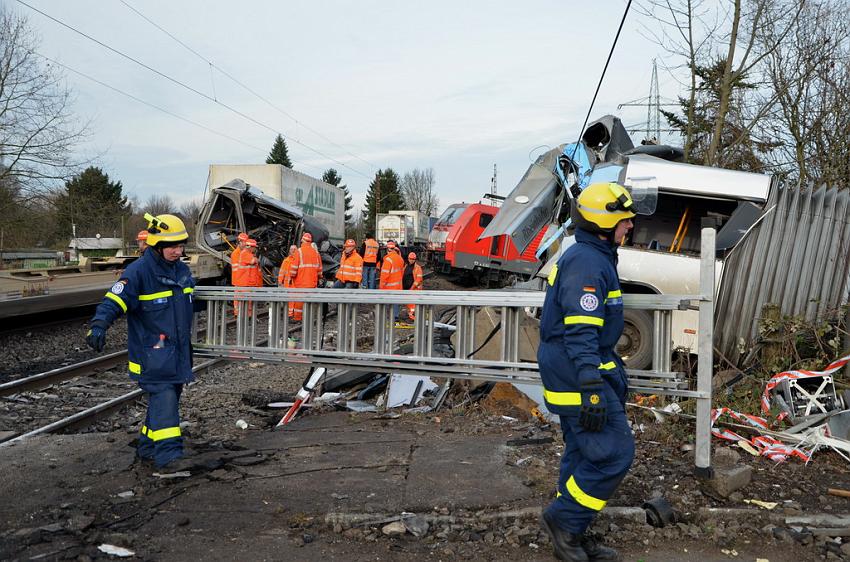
pixel 93 248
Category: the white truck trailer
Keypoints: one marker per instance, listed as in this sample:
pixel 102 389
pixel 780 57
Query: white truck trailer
pixel 317 199
pixel 408 228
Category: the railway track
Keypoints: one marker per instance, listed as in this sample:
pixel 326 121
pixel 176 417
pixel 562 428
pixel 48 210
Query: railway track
pixel 54 376
pixel 89 415
pixel 23 325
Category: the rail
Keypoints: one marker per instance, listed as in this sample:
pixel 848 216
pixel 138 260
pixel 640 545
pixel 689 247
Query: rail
pixel 507 366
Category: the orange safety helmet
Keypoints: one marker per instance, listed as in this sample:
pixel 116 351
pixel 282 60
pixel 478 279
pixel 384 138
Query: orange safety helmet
pixel 350 243
pixel 250 243
pixel 307 237
pixel 411 256
pixel 142 235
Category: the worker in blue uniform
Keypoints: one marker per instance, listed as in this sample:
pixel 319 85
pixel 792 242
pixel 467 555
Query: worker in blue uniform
pixel 583 377
pixel 155 292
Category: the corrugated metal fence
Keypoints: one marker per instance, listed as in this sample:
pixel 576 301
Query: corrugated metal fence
pixel 798 257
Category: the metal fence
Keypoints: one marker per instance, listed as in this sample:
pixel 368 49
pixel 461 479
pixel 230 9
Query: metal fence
pixel 798 258
pixel 263 326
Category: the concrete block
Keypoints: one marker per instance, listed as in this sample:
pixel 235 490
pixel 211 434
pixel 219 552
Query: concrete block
pixel 727 480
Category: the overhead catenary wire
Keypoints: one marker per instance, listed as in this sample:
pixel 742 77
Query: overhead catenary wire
pixel 212 66
pixel 601 78
pixel 192 89
pixel 147 103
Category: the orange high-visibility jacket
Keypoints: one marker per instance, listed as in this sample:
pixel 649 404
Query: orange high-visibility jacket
pixel 234 264
pixel 306 267
pixel 370 254
pixel 247 272
pixel 417 277
pixel 350 268
pixel 391 271
pixel 284 279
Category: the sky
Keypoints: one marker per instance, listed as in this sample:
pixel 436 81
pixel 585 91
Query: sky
pixel 356 86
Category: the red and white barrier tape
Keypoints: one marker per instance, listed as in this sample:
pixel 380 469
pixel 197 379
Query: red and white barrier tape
pixel 801 374
pixel 767 446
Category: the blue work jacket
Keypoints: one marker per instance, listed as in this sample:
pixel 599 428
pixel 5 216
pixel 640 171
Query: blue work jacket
pixel 581 322
pixel 156 295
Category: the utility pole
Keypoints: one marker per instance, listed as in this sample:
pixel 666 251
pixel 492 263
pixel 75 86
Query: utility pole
pixel 653 106
pixel 493 182
pixel 377 201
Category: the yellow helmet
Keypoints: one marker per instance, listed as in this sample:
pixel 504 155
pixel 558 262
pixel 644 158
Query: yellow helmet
pixel 600 206
pixel 165 228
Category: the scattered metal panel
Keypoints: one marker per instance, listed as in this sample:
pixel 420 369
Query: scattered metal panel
pixel 531 205
pixel 797 257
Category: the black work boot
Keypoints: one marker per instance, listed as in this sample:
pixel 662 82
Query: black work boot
pixel 567 545
pixel 597 552
pixel 180 464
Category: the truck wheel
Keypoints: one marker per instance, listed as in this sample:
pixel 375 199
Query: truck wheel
pixel 635 345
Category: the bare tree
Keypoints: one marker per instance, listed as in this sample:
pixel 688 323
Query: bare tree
pixel 809 73
pixel 189 212
pixel 733 38
pixel 687 32
pixel 159 204
pixel 38 131
pixel 761 26
pixel 417 190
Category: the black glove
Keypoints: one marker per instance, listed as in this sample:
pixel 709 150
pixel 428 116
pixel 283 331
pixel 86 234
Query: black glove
pixel 96 338
pixel 594 408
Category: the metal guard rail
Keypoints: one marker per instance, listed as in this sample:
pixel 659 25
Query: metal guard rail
pixel 313 349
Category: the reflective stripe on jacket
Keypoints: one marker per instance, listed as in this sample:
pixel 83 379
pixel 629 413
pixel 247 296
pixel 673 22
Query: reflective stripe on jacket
pixel 370 253
pixel 234 263
pixel 350 268
pixel 581 322
pixel 156 295
pixel 284 279
pixel 248 271
pixel 391 271
pixel 306 267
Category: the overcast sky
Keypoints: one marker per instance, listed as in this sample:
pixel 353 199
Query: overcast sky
pixel 455 86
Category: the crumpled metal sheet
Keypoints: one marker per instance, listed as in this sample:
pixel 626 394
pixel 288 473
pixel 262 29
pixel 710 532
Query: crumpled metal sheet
pixel 798 257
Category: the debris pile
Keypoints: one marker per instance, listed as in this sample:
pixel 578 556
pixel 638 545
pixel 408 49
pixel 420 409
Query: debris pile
pixel 818 414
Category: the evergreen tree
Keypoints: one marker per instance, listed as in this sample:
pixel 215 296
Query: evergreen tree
pixel 383 196
pixel 738 149
pixel 279 153
pixel 92 202
pixel 332 177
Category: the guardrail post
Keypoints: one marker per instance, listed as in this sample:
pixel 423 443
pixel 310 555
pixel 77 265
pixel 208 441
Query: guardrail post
pixel 705 346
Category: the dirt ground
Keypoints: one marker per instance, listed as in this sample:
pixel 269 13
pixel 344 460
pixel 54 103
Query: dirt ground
pixel 258 494
pixel 466 482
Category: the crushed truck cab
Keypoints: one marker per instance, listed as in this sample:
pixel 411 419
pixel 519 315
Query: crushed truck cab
pixel 661 253
pixel 239 207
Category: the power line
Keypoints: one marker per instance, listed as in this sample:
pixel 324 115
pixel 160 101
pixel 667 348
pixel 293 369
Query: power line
pixel 602 77
pixel 158 108
pixel 190 88
pixel 235 80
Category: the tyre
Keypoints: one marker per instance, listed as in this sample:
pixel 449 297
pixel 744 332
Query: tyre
pixel 635 345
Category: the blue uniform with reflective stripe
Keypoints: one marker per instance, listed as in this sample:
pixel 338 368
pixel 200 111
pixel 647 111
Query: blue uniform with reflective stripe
pixel 581 322
pixel 157 297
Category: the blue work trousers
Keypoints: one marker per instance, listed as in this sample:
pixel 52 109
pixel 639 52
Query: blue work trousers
pixel 160 438
pixel 594 462
pixel 370 277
